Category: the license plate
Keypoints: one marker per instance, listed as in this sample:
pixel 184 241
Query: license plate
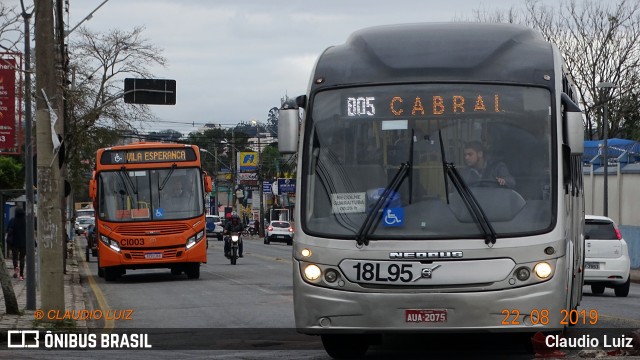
pixel 381 272
pixel 425 315
pixel 592 266
pixel 155 255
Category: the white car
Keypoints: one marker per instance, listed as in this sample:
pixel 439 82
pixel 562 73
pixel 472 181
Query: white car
pixel 279 230
pixel 214 227
pixel 607 262
pixel 82 223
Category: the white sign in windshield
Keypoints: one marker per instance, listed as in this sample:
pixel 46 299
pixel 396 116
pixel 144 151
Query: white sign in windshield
pixel 348 202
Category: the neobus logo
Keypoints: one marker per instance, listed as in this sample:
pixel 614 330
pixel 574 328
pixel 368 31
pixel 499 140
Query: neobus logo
pixel 426 255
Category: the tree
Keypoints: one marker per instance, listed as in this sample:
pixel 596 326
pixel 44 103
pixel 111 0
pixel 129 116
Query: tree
pixel 11 28
pixel 600 42
pixel 272 121
pixel 98 65
pixel 215 141
pixel 11 173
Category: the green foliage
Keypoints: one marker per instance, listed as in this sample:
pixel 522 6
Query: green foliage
pixel 81 161
pixel 11 173
pixel 273 164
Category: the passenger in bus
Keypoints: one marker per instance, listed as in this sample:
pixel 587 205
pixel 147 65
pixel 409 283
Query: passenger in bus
pixel 482 170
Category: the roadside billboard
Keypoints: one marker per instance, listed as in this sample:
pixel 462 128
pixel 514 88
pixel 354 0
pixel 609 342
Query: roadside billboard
pixel 10 95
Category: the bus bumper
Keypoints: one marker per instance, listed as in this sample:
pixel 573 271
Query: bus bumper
pixel 321 310
pixel 152 258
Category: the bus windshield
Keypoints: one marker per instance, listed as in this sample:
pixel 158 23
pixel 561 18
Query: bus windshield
pixel 497 138
pixel 150 194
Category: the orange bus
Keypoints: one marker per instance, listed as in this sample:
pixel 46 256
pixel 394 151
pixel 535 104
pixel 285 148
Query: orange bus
pixel 149 208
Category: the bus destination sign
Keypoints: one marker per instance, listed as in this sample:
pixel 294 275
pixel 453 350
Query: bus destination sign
pixel 139 156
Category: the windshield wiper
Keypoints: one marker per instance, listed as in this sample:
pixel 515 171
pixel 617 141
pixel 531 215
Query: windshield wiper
pixel 469 200
pixel 126 176
pixel 373 217
pixel 472 203
pixel 164 182
pixel 411 166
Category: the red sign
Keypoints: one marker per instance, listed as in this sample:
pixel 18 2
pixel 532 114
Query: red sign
pixel 8 123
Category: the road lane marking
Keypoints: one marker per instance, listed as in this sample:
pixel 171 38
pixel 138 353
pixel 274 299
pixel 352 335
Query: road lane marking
pixel 109 324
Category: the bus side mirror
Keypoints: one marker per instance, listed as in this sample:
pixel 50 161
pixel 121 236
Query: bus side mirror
pixel 93 189
pixel 573 125
pixel 288 124
pixel 208 183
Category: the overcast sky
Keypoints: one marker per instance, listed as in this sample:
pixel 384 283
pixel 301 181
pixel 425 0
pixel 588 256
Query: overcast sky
pixel 233 60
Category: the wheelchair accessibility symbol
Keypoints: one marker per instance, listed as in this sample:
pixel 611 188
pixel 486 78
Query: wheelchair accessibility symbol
pixel 159 213
pixel 393 217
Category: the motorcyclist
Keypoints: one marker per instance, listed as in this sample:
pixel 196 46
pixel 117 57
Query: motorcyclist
pixel 233 226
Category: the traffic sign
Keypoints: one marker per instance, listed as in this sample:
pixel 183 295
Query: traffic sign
pixel 149 91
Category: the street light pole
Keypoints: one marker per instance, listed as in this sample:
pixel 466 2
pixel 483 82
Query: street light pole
pixel 260 219
pixel 605 150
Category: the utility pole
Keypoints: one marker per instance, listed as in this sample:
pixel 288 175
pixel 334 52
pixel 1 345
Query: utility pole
pixel 215 155
pixel 233 169
pixel 261 218
pixel 50 231
pixel 28 161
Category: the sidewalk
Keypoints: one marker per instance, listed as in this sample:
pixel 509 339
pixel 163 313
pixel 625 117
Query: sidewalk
pixel 73 296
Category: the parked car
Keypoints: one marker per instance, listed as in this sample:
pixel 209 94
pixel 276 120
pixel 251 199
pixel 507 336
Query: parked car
pixel 214 227
pixel 82 223
pixel 607 262
pixel 278 230
pixel 92 242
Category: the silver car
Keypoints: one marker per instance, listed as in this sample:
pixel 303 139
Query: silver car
pixel 82 223
pixel 607 262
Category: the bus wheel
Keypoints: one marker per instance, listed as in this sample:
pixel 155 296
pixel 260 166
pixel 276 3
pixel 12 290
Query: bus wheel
pixel 193 271
pixel 100 270
pixel 111 273
pixel 340 346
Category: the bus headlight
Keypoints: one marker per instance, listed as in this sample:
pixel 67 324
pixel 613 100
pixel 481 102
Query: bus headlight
pixel 110 243
pixel 194 239
pixel 330 276
pixel 542 270
pixel 312 272
pixel 523 273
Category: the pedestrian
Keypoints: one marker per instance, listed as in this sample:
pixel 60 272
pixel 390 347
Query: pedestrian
pixel 17 241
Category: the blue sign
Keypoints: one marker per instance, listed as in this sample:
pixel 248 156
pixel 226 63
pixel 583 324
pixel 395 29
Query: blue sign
pixel 159 213
pixel 266 187
pixel 286 186
pixel 393 217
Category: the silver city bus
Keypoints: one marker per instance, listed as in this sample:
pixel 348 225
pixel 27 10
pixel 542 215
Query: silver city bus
pixel 394 232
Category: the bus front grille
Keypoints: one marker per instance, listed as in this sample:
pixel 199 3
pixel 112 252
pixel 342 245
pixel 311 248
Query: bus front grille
pixel 166 254
pixel 156 229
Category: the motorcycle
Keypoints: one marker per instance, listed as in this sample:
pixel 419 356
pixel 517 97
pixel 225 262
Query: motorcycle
pixel 249 230
pixel 234 243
